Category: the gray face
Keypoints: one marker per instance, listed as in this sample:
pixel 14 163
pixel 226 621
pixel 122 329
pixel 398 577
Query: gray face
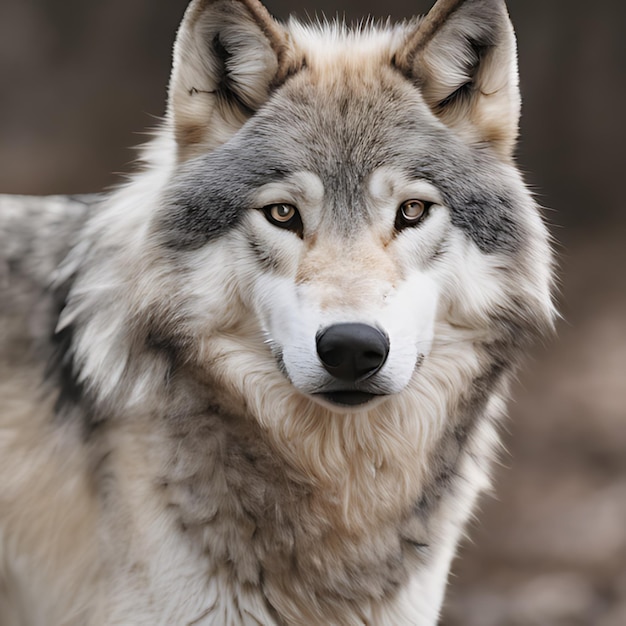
pixel 342 135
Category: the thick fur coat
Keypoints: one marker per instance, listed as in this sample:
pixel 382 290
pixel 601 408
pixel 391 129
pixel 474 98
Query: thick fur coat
pixel 260 383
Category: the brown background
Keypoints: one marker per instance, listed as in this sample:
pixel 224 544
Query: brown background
pixel 80 81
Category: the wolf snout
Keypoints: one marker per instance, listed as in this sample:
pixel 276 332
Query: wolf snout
pixel 352 352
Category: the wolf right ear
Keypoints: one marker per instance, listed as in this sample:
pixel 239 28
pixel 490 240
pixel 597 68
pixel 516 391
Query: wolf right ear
pixel 227 57
pixel 463 58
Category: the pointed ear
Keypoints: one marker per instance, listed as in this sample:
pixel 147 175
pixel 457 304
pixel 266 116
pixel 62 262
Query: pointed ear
pixel 227 57
pixel 463 57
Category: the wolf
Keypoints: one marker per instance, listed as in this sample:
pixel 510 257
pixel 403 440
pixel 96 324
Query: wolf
pixel 261 382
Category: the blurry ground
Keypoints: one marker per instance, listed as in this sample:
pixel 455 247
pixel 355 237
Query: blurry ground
pixel 78 78
pixel 550 548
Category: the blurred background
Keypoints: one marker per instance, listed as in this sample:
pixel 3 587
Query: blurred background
pixel 81 81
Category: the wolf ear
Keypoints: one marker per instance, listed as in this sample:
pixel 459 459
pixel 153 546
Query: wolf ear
pixel 463 57
pixel 227 57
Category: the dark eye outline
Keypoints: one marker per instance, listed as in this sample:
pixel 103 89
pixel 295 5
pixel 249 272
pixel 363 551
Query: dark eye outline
pixel 404 221
pixel 293 223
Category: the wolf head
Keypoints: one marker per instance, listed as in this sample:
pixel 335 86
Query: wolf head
pixel 340 219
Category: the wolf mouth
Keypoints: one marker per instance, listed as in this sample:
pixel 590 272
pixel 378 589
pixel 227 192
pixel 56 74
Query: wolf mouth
pixel 348 398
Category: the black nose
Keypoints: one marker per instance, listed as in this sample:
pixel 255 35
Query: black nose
pixel 352 352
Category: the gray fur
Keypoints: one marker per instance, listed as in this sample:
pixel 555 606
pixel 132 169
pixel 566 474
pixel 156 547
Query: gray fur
pixel 209 195
pixel 35 236
pixel 212 192
pixel 274 537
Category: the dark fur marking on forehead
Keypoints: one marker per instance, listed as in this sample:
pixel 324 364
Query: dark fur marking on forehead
pixel 210 195
pixel 488 216
pixel 489 222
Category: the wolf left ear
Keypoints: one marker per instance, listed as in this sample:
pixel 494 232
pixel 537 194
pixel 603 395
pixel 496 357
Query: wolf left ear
pixel 227 57
pixel 463 57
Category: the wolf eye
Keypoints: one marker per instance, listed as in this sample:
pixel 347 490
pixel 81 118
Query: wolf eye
pixel 282 212
pixel 411 212
pixel 284 216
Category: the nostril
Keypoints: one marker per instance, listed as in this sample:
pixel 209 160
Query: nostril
pixel 332 357
pixel 352 352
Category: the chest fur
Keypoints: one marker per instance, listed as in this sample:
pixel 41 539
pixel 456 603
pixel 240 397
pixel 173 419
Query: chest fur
pixel 310 550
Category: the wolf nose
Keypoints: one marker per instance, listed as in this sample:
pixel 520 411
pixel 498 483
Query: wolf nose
pixel 352 352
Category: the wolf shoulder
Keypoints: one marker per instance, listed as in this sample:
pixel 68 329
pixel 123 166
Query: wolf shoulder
pixel 36 233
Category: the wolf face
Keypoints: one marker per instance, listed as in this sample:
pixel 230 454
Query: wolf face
pixel 339 283
pixel 346 196
pixel 328 217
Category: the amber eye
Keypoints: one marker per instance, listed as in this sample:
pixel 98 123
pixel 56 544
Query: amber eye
pixel 411 213
pixel 282 212
pixel 284 216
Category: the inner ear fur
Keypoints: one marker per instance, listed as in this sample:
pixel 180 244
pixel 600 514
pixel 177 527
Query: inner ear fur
pixel 463 57
pixel 228 56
